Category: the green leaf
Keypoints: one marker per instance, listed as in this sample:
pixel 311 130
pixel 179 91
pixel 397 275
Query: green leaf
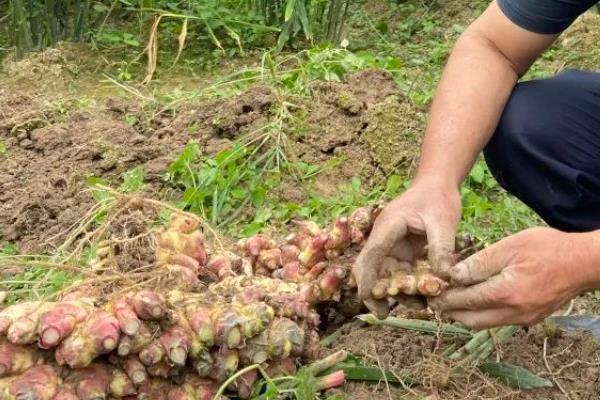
pixel 98 194
pixel 478 173
pixel 416 325
pixel 514 376
pixel 289 9
pixel 133 180
pixel 2 149
pixel 355 184
pixel 393 184
pixel 356 369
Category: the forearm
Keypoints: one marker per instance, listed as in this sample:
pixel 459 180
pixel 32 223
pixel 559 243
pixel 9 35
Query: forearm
pixel 472 93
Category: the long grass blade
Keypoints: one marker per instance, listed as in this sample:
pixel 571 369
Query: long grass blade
pixel 416 325
pixel 181 40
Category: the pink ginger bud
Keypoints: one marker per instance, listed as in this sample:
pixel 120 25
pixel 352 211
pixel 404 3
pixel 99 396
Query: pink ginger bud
pixel 135 370
pixel 128 319
pixel 315 251
pixel 310 228
pixel 177 342
pixel 339 235
pixel 59 322
pixel 148 305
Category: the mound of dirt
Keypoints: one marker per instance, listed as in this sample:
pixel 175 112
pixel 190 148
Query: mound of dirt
pixel 360 127
pixel 366 124
pixel 43 172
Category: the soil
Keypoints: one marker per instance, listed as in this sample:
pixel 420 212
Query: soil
pixel 574 359
pixel 49 155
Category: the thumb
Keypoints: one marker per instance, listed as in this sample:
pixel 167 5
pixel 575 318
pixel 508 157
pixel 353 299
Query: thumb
pixel 440 244
pixel 385 234
pixel 480 266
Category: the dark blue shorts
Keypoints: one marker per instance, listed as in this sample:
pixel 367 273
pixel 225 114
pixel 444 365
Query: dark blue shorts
pixel 546 149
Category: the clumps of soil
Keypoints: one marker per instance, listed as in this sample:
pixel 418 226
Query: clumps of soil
pixel 574 359
pixel 43 173
pixel 578 45
pixel 225 119
pixel 367 124
pixel 361 127
pixel 51 70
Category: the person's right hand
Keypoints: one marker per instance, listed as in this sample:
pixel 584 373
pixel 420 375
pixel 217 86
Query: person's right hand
pixel 426 214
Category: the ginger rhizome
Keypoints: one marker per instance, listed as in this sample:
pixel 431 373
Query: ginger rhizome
pixel 225 309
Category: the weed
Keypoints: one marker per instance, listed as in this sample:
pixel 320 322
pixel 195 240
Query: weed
pixel 489 212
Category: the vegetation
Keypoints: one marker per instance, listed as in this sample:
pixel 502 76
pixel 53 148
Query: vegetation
pixel 229 46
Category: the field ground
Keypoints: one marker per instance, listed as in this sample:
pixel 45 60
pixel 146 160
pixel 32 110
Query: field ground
pixel 334 129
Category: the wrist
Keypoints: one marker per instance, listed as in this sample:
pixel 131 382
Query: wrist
pixel 437 180
pixel 586 252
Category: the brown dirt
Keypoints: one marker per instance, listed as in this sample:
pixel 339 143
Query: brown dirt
pixel 363 122
pixel 574 359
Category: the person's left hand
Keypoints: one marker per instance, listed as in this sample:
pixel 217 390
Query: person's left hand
pixel 519 280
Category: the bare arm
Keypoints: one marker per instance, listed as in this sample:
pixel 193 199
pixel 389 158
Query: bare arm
pixel 481 72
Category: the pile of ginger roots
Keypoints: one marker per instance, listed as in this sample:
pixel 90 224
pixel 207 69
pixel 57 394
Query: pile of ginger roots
pixel 257 304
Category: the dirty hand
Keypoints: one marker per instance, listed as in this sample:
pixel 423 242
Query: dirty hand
pixel 521 279
pixel 427 213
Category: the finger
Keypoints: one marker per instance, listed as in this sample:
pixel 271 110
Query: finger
pixel 379 308
pixel 384 236
pixel 477 297
pixel 483 319
pixel 480 266
pixel 440 240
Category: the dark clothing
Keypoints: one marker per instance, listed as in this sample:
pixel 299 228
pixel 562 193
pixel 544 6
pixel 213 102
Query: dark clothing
pixel 546 149
pixel 544 16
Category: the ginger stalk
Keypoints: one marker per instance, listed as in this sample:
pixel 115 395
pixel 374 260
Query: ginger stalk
pixel 125 314
pixel 153 353
pixel 177 342
pixel 134 344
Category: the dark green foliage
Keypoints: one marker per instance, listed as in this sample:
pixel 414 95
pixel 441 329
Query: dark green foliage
pixel 36 24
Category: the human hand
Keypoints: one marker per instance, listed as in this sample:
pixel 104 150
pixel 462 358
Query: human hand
pixel 519 280
pixel 427 213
